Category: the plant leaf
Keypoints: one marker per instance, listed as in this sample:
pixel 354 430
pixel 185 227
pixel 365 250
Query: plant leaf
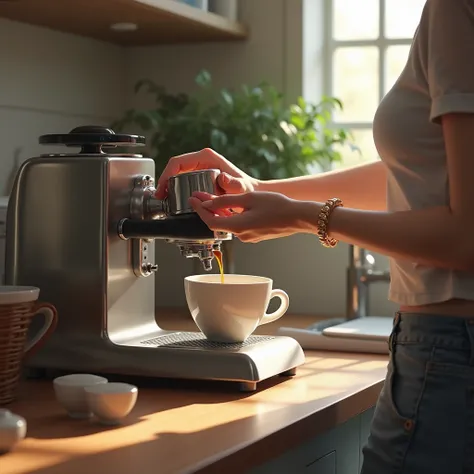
pixel 253 126
pixel 203 78
pixel 218 139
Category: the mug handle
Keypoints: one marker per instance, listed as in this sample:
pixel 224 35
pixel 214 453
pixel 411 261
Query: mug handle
pixel 50 322
pixel 285 303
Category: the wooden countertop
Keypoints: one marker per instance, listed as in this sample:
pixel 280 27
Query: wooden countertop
pixel 202 428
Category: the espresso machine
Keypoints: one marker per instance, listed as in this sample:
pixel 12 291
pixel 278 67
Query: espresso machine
pixel 82 226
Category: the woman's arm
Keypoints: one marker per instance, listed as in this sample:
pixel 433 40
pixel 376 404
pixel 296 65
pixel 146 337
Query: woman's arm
pixel 361 187
pixel 439 236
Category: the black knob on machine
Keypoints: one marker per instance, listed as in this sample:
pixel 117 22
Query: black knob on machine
pixel 91 139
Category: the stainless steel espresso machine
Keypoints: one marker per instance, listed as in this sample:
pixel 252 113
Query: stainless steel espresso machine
pixel 81 227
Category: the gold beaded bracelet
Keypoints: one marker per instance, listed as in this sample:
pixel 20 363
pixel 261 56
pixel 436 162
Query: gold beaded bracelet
pixel 323 222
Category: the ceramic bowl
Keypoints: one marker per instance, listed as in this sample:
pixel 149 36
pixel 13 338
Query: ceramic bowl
pixel 69 390
pixel 112 401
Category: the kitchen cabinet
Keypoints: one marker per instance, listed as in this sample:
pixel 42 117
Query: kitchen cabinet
pixel 365 421
pixel 114 21
pixel 339 451
pixel 324 465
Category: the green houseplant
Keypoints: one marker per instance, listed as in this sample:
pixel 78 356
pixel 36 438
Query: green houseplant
pixel 253 127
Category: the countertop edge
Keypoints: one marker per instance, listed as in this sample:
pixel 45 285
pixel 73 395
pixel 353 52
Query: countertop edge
pixel 291 436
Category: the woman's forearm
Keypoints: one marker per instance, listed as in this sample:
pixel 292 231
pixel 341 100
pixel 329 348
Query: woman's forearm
pixel 434 237
pixel 361 187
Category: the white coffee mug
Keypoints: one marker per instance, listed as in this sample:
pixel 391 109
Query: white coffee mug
pixel 230 312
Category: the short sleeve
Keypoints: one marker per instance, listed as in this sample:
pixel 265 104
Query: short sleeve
pixel 450 56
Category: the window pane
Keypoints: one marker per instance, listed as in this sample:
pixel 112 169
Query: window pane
pixel 356 83
pixel 355 19
pixel 402 17
pixel 363 139
pixel 395 61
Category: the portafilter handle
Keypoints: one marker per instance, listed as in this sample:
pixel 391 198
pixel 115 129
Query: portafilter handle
pixel 180 228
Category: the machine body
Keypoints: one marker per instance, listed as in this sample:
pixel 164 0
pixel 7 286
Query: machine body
pixel 82 228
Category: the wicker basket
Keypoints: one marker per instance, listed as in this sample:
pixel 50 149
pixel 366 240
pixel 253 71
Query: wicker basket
pixel 15 320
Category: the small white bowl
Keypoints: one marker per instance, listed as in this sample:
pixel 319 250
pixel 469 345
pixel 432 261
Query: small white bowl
pixel 112 401
pixel 69 390
pixel 12 430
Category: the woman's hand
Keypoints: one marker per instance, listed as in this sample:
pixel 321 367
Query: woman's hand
pixel 255 216
pixel 232 180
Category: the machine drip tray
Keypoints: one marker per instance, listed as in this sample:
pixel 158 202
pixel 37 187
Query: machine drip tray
pixel 196 340
pixel 180 355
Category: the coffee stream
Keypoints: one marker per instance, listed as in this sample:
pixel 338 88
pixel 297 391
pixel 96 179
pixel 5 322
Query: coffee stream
pixel 220 262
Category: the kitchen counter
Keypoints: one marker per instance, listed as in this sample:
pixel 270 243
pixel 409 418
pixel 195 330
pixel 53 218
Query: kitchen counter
pixel 304 423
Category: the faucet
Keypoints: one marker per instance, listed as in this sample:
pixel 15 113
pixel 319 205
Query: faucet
pixel 361 272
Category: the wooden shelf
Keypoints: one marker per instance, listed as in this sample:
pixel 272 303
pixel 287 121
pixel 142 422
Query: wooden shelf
pixel 159 21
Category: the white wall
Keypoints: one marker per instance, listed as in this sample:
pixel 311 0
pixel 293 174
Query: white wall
pixel 314 277
pixel 52 82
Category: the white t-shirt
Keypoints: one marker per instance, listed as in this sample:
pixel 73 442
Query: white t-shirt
pixel 438 79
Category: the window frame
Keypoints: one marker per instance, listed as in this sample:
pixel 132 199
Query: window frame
pixel 331 45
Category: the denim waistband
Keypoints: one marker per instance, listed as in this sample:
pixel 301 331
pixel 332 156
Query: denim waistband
pixel 437 330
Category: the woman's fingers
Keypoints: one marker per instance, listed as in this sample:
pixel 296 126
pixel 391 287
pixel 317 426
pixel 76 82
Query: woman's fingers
pixel 197 160
pixel 236 202
pixel 224 221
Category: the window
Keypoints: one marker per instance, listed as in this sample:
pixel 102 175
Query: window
pixel 367 45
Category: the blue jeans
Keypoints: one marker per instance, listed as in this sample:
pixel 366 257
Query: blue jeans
pixel 424 418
